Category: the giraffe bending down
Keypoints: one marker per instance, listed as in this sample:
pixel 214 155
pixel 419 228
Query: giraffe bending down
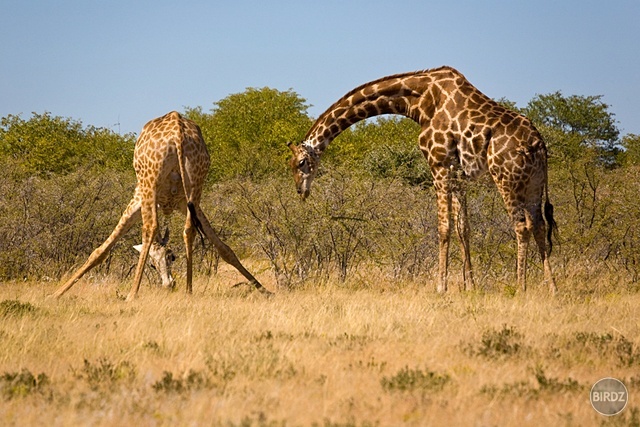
pixel 161 257
pixel 171 163
pixel 464 134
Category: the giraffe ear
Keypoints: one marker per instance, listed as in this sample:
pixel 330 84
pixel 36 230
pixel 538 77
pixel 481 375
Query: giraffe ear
pixel 291 146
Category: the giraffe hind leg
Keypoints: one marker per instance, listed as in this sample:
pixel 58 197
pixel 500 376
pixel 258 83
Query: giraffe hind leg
pixel 539 234
pixel 128 218
pixel 202 223
pixel 522 218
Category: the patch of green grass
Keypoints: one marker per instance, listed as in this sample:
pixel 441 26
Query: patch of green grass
pixel 349 341
pixel 518 389
pixel 152 346
pixel 106 374
pixel 555 385
pixel 15 308
pixel 261 420
pixel 193 380
pixel 630 417
pixel 372 364
pixel 415 379
pixel 20 384
pixel 510 291
pixel 261 360
pixel 525 388
pixel 498 344
pixel 624 352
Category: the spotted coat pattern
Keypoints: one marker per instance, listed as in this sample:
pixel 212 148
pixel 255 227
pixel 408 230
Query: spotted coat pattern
pixel 171 163
pixel 464 134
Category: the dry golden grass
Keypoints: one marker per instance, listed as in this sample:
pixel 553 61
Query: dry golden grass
pixel 355 354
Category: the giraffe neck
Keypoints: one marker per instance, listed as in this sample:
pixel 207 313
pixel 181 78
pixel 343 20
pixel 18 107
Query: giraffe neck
pixel 413 95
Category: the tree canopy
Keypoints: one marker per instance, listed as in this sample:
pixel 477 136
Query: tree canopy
pixel 247 133
pixel 573 126
pixel 46 144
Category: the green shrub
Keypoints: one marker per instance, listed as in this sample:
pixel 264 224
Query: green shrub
pixel 193 380
pixel 347 221
pixel 497 344
pixel 15 308
pixel 61 219
pixel 543 385
pixel 408 379
pixel 20 384
pixel 105 374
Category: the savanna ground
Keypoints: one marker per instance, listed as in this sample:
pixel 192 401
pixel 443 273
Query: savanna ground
pixel 362 352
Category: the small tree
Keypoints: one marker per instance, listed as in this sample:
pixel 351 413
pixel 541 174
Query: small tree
pixel 573 126
pixel 247 133
pixel 45 144
pixel 631 154
pixel 385 147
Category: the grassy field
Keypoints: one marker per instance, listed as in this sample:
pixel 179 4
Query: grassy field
pixel 361 353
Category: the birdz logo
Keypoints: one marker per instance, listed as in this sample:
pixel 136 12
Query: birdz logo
pixel 609 396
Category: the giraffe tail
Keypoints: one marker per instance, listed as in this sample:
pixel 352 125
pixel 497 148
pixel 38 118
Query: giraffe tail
pixel 552 226
pixel 196 222
pixel 186 185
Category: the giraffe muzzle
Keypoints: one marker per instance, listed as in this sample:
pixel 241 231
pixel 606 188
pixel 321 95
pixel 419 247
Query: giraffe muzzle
pixel 303 193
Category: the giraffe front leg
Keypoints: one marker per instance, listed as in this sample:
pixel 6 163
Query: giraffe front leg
pixel 189 235
pixel 548 275
pixel 461 219
pixel 522 237
pixel 128 218
pixel 226 252
pixel 444 234
pixel 149 230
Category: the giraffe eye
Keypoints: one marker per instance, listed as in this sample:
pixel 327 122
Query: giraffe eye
pixel 302 163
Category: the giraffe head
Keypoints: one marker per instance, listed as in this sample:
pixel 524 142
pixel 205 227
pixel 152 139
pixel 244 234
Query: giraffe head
pixel 304 166
pixel 160 259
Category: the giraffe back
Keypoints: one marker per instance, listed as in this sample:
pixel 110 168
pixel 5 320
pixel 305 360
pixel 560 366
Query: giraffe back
pixel 163 144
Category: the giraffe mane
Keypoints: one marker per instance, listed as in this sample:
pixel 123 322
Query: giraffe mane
pixel 373 82
pixel 311 150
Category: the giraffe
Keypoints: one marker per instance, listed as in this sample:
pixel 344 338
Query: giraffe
pixel 464 134
pixel 171 163
pixel 160 258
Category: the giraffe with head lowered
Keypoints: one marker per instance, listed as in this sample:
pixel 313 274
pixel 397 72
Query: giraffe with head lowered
pixel 171 163
pixel 463 134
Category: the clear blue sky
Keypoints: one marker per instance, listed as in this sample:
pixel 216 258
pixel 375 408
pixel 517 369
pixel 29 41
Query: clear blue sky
pixel 125 62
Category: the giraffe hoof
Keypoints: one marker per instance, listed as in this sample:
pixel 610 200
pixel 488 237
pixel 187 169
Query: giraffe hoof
pixel 258 286
pixel 240 284
pixel 264 291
